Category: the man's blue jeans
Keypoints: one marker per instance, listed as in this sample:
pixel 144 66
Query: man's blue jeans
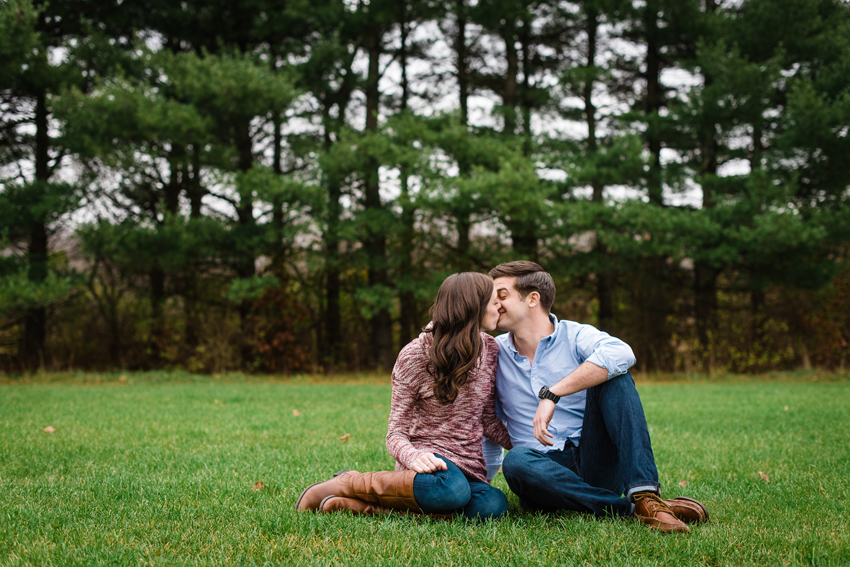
pixel 444 492
pixel 614 454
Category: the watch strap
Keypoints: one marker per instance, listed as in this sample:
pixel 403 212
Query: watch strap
pixel 546 394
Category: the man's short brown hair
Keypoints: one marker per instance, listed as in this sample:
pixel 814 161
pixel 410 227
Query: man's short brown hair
pixel 529 277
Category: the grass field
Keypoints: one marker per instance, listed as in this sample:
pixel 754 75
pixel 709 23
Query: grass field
pixel 160 470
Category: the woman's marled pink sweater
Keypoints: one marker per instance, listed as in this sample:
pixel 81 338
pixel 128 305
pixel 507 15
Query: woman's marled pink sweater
pixel 420 424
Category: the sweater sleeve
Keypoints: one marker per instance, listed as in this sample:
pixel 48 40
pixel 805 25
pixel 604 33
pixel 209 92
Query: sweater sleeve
pixel 494 429
pixel 403 406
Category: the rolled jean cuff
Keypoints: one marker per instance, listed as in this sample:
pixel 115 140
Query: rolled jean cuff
pixel 642 488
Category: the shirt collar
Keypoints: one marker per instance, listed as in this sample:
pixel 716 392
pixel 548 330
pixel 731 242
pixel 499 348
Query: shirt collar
pixel 550 340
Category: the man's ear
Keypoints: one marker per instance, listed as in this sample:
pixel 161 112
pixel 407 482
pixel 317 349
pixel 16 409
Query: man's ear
pixel 533 299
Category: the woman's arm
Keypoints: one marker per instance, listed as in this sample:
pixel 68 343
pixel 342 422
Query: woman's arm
pixel 403 406
pixel 494 429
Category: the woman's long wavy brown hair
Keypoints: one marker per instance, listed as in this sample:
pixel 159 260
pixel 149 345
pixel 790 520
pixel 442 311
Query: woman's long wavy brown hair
pixel 456 326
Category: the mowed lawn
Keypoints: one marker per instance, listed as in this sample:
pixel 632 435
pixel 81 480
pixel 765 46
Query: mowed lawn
pixel 161 471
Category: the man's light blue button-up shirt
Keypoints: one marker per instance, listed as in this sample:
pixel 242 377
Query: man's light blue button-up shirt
pixel 518 382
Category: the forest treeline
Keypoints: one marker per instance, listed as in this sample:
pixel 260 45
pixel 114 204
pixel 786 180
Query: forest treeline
pixel 281 185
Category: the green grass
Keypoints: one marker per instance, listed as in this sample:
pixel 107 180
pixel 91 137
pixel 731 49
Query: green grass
pixel 160 472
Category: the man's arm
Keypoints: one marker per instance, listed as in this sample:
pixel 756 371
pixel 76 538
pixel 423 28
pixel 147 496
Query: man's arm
pixel 587 375
pixel 604 356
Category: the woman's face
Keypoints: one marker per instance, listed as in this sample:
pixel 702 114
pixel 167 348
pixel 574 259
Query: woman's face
pixel 491 316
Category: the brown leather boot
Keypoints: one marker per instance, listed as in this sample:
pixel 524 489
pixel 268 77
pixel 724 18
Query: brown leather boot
pixel 654 512
pixel 338 503
pixel 390 489
pixel 688 510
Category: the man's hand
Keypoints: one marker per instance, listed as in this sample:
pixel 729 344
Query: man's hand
pixel 428 463
pixel 545 411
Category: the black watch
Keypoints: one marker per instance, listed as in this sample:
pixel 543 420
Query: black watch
pixel 545 394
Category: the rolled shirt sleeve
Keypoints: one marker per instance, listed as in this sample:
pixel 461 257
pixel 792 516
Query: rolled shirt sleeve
pixel 493 456
pixel 604 351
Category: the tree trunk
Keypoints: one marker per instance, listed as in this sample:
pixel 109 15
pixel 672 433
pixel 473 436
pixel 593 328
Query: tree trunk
pixel 705 276
pixel 171 191
pixel 461 61
pixel 509 95
pixel 157 276
pixel 758 147
pixel 157 296
pixel 375 242
pixel 35 320
pixel 332 317
pixel 408 235
pixel 524 95
pixel 654 102
pixel 462 218
pixel 523 237
pixel 705 305
pixel 604 280
pixel 463 222
pixel 523 241
pixel 195 189
pixel 278 248
pixel 657 305
pixel 407 299
pixel 757 299
pixel 190 292
pixel 245 262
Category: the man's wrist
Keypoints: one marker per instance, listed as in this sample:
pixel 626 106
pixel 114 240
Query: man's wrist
pixel 561 389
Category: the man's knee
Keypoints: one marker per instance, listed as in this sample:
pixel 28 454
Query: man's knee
pixel 518 461
pixel 621 383
pixel 618 392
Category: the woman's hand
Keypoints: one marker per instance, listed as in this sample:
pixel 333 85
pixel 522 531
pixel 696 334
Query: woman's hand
pixel 428 463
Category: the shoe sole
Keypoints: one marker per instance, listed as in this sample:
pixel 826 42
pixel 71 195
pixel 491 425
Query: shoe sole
pixel 698 503
pixel 298 502
pixel 322 503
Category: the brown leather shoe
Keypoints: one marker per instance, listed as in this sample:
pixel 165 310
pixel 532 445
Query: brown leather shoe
pixel 390 489
pixel 654 512
pixel 688 510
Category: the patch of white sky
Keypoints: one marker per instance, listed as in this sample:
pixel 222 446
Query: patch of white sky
pixel 434 90
pixel 482 107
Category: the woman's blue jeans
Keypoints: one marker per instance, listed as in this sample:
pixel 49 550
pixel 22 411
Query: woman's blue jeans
pixel 444 492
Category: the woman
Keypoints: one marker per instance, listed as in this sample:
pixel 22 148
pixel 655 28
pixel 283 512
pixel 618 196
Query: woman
pixel 442 403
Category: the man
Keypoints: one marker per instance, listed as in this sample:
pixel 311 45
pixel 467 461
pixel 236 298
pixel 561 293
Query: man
pixel 574 416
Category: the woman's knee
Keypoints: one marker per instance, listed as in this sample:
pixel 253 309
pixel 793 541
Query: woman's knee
pixel 454 491
pixel 441 491
pixel 486 505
